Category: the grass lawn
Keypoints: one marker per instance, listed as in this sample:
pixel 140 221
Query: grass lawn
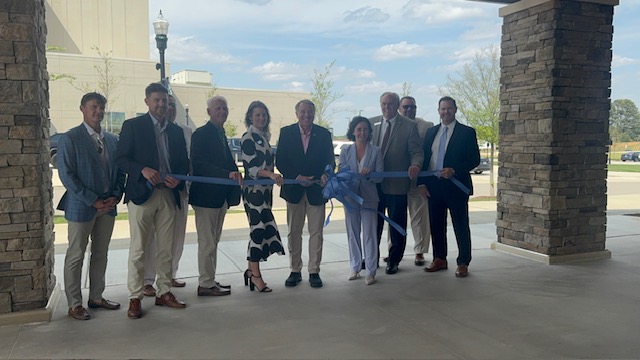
pixel 624 167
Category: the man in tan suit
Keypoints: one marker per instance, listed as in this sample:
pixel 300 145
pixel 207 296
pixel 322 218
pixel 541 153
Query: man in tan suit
pixel 399 142
pixel 418 206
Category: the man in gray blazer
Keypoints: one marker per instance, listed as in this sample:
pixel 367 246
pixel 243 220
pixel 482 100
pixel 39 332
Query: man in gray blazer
pixel 418 206
pixel 401 149
pixel 94 185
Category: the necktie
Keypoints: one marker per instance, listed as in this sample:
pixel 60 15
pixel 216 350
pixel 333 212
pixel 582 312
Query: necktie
pixel 442 148
pixel 104 161
pixel 385 139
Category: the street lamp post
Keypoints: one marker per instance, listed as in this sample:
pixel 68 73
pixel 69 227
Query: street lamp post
pixel 161 28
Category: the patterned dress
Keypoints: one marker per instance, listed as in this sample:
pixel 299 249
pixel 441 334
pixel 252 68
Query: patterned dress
pixel 258 199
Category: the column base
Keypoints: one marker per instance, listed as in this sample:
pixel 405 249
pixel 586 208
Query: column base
pixel 550 259
pixel 33 316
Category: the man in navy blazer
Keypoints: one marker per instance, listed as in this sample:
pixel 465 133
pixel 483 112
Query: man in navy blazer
pixel 211 157
pixel 304 152
pixel 149 148
pixel 450 148
pixel 94 185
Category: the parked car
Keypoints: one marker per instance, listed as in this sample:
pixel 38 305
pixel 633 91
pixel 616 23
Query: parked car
pixel 235 145
pixel 485 165
pixel 338 146
pixel 53 148
pixel 631 156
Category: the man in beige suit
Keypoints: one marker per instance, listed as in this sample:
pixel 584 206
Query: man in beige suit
pixel 418 206
pixel 399 142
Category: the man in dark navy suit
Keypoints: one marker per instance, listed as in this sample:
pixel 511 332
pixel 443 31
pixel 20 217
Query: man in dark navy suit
pixel 450 148
pixel 149 148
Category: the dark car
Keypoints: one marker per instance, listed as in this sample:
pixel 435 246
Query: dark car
pixel 631 156
pixel 485 165
pixel 53 148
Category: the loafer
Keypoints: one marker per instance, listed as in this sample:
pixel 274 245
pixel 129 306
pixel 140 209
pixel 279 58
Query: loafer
pixel 419 261
pixel 103 303
pixel 177 283
pixel 135 309
pixel 315 281
pixel 212 291
pixel 149 290
pixel 169 300
pixel 79 313
pixel 354 275
pixel 462 271
pixel 436 265
pixel 228 287
pixel 294 279
pixel 391 269
pixel 370 280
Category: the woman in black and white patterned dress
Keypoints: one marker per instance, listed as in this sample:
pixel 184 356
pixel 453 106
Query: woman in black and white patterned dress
pixel 257 159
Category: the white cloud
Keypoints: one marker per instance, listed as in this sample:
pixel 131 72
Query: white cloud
pixel 483 32
pixel 622 60
pixel 442 12
pixel 365 15
pixel 181 49
pixel 371 87
pixel 401 50
pixel 255 2
pixel 277 71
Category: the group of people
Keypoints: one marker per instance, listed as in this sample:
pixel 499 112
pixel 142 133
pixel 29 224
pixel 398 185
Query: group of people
pixel 150 162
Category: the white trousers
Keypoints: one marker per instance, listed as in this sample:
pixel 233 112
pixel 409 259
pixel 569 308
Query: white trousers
pixel 363 222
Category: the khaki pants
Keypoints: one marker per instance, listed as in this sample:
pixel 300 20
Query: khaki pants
pixel 419 217
pixel 178 243
pixel 296 214
pixel 209 227
pixel 156 217
pixel 99 229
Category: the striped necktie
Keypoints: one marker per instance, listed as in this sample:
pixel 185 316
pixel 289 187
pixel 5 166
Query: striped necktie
pixel 442 148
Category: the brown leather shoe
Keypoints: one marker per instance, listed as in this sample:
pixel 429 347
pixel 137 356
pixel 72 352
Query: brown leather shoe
pixel 103 303
pixel 436 265
pixel 167 299
pixel 178 283
pixel 228 287
pixel 135 309
pixel 79 313
pixel 462 271
pixel 149 290
pixel 212 291
pixel 419 261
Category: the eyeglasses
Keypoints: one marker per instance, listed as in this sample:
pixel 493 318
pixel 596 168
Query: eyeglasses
pixel 409 107
pixel 172 105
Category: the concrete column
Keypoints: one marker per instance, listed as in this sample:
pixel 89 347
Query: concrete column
pixel 26 228
pixel 554 129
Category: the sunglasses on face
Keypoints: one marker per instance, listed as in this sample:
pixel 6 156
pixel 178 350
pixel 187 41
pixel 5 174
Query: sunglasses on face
pixel 172 105
pixel 407 107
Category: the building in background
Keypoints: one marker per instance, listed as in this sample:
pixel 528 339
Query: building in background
pixel 104 46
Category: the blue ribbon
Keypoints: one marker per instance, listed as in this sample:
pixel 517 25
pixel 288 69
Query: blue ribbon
pixel 338 187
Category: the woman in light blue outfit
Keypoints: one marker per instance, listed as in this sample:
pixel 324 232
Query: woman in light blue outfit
pixel 361 157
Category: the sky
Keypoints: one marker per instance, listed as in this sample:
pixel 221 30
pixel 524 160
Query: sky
pixel 377 45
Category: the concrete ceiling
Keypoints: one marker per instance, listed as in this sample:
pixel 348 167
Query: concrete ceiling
pixel 498 1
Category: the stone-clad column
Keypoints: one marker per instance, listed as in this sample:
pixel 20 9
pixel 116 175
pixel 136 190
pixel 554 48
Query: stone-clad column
pixel 26 229
pixel 554 129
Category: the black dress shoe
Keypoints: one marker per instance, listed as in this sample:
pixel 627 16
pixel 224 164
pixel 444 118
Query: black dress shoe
pixel 392 268
pixel 315 281
pixel 363 266
pixel 293 279
pixel 228 287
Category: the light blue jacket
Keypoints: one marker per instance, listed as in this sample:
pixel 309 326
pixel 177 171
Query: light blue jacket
pixel 373 160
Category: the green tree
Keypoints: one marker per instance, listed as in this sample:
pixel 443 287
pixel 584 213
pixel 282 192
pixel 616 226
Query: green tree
pixel 476 89
pixel 406 89
pixel 624 120
pixel 323 95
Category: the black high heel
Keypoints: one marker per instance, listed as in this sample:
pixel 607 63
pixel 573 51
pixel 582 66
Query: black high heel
pixel 252 285
pixel 247 276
